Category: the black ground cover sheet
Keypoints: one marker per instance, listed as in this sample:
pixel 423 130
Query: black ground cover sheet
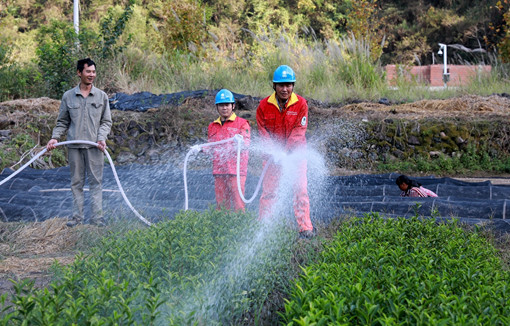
pixel 157 192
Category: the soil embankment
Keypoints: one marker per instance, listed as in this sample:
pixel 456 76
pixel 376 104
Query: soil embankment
pixel 354 136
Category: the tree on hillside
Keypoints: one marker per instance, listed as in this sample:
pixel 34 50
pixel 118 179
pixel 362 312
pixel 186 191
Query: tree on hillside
pixel 501 30
pixel 60 47
pixel 416 28
pixel 181 23
pixel 365 23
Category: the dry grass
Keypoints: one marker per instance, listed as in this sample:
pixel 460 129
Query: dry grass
pixel 28 248
pixel 42 104
pixel 42 238
pixel 464 106
pixel 20 268
pixel 467 106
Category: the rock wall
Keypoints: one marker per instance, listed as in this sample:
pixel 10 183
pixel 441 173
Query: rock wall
pixel 358 135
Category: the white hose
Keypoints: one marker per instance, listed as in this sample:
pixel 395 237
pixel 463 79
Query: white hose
pixel 238 170
pixel 238 138
pixel 109 160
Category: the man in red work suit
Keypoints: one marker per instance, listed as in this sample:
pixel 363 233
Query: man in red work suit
pixel 282 118
pixel 225 155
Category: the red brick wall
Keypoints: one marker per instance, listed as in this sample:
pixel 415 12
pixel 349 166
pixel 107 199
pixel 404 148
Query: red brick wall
pixel 433 74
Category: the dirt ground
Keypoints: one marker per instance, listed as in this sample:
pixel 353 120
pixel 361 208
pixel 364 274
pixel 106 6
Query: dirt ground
pixel 465 107
pixel 29 250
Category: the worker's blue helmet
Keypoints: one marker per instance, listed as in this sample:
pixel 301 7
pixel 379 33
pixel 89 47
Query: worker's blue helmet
pixel 224 96
pixel 284 74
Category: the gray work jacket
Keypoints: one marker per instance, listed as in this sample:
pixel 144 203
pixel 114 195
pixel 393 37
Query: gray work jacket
pixel 83 118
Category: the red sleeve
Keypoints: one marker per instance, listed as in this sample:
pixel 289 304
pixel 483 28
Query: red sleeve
pixel 297 136
pixel 261 127
pixel 245 132
pixel 208 149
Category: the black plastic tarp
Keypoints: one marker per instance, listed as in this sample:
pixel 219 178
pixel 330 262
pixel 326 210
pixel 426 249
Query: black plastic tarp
pixel 157 192
pixel 143 101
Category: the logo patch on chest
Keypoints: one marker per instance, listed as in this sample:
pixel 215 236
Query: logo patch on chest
pixel 291 113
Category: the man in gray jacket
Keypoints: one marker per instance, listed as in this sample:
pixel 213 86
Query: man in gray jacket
pixel 85 115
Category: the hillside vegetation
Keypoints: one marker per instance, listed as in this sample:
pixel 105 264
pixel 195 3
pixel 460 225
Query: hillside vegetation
pixel 338 48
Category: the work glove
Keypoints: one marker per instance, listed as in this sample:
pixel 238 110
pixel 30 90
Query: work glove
pixel 195 149
pixel 278 157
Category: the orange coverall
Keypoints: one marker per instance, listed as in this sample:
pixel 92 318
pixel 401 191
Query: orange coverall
pixel 225 160
pixel 287 128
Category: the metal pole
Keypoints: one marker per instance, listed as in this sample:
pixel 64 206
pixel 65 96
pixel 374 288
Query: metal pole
pixel 76 16
pixel 446 75
pixel 445 62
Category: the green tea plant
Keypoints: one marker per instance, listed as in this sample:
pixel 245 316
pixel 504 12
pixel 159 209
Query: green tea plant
pixel 208 268
pixel 380 271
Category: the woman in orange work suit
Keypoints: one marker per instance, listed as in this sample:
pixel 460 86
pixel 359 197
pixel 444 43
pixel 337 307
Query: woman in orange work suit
pixel 227 126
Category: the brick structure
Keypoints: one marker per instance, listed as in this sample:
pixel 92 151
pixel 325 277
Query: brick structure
pixel 433 74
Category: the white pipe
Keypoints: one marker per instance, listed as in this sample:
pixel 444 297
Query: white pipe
pixel 109 160
pixel 195 149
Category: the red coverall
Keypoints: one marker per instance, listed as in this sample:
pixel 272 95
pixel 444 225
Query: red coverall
pixel 225 160
pixel 288 129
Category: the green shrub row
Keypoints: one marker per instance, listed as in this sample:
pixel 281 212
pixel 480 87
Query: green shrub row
pixel 402 272
pixel 470 159
pixel 205 268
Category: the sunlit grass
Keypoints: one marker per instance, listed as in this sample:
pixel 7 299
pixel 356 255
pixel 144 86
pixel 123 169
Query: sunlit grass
pixel 332 71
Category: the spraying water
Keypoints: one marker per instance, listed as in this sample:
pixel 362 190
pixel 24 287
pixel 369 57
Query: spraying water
pixel 260 246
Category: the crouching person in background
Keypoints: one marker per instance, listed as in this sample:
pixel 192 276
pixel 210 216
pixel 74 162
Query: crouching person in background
pixel 227 126
pixel 412 188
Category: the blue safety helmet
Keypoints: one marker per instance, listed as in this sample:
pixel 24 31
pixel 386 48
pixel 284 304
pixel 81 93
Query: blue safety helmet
pixel 284 74
pixel 224 96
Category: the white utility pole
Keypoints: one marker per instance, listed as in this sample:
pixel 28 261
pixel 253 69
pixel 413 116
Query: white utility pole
pixel 76 16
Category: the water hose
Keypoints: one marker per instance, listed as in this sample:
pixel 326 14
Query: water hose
pixel 238 170
pixel 109 160
pixel 196 148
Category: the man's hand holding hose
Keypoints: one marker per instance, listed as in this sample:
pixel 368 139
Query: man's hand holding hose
pixel 101 144
pixel 51 144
